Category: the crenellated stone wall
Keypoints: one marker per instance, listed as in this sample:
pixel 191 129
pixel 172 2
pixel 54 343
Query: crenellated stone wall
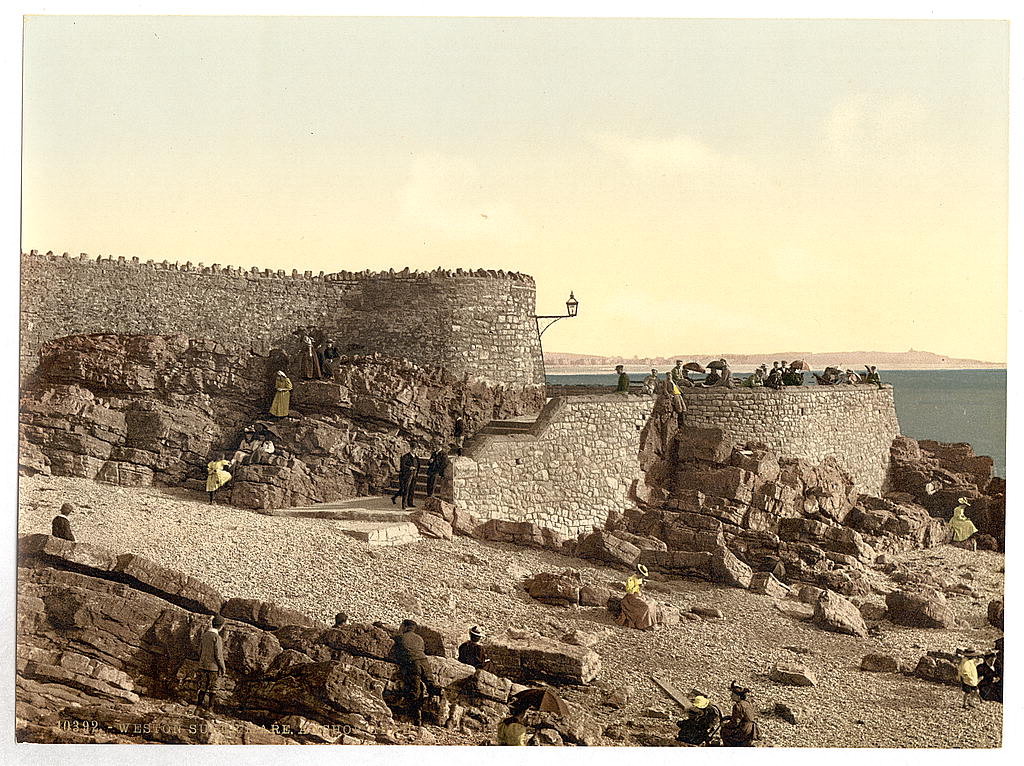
pixel 854 424
pixel 477 323
pixel 577 464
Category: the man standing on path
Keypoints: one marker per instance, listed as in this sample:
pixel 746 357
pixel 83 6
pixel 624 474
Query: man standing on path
pixel 61 525
pixel 211 662
pixel 436 468
pixel 408 467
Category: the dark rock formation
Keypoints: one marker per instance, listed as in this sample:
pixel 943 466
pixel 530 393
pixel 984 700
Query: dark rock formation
pixel 113 640
pixel 134 410
pixel 921 607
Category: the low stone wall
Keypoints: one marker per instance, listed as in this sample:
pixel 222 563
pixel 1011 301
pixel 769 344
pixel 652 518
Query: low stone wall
pixel 577 464
pixel 854 424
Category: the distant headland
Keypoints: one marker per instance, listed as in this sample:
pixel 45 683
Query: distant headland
pixel 884 360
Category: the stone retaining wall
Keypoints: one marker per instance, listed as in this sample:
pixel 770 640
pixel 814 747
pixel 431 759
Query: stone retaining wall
pixel 576 465
pixel 854 424
pixel 479 323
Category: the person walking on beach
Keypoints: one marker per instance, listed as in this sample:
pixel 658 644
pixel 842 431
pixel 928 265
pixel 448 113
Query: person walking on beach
pixel 967 675
pixel 211 663
pixel 282 395
pixel 216 476
pixel 623 384
pixel 61 525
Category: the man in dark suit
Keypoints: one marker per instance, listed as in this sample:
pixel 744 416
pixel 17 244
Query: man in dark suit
pixel 62 525
pixel 408 467
pixel 436 469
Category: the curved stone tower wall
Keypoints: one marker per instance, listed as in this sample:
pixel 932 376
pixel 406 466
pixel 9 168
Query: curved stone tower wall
pixel 854 424
pixel 479 323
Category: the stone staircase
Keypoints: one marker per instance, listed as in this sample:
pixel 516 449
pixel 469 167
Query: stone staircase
pixel 372 520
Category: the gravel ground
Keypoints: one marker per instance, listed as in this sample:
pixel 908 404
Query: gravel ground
pixel 308 565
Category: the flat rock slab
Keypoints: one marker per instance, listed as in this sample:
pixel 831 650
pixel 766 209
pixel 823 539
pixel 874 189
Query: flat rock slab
pixel 792 674
pixel 541 658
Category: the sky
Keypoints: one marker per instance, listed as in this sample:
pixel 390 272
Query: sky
pixel 702 186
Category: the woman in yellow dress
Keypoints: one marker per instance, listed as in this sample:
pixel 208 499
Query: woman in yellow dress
pixel 216 476
pixel 961 526
pixel 282 397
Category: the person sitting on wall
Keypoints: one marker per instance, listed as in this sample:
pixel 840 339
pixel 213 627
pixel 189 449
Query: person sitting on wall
pixel 774 378
pixel 678 404
pixel 872 376
pixel 852 378
pixel 724 375
pixel 61 524
pixel 756 380
pixel 681 376
pixel 623 384
pixel 651 382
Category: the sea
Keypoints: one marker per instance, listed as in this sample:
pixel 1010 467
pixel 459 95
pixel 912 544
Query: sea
pixel 944 405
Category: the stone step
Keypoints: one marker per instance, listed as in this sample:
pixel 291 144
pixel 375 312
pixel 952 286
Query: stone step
pixel 381 533
pixel 372 520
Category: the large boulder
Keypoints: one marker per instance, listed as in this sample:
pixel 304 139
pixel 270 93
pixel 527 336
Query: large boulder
pixel 555 588
pixel 604 546
pixel 729 570
pixel 539 658
pixel 834 613
pixel 792 674
pixel 940 667
pixel 921 607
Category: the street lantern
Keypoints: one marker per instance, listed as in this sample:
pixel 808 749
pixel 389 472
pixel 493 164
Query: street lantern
pixel 571 307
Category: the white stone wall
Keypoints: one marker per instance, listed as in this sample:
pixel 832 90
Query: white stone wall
pixel 854 424
pixel 577 464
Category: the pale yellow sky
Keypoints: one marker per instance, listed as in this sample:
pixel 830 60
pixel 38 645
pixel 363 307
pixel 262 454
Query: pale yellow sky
pixel 705 186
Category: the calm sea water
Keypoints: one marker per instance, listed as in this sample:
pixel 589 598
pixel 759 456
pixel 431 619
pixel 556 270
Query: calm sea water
pixel 945 405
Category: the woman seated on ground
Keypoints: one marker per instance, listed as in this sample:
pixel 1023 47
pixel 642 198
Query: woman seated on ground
pixel 701 722
pixel 634 612
pixel 739 729
pixel 512 730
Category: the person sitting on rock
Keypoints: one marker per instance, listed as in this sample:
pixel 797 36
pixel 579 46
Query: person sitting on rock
pixel 211 662
pixel 961 527
pixel 216 476
pixel 340 619
pixel 472 652
pixel 512 730
pixel 967 675
pixel 414 669
pixel 282 396
pixel 328 359
pixel 739 729
pixel 634 612
pixel 701 722
pixel 61 525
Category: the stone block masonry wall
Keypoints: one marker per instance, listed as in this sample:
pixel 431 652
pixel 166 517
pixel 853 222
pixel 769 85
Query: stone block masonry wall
pixel 576 465
pixel 472 322
pixel 854 424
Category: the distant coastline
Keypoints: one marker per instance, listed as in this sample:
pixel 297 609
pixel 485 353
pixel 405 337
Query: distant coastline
pixel 559 363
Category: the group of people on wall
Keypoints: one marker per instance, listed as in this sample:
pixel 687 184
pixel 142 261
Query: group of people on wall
pixel 718 374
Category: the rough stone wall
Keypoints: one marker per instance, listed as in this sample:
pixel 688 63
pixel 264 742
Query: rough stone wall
pixel 478 323
pixel 855 425
pixel 578 463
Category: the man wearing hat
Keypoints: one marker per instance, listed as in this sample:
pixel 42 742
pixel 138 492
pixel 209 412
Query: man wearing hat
pixel 623 384
pixel 472 652
pixel 211 662
pixel 701 722
pixel 61 525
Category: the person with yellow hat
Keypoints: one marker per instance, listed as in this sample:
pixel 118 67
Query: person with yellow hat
pixel 701 722
pixel 634 612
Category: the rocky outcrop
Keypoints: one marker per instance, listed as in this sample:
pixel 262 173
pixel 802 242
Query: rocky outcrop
pixel 936 474
pixel 144 409
pixel 116 637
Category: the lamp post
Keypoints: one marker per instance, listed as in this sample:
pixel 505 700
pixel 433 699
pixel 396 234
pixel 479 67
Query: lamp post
pixel 571 307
